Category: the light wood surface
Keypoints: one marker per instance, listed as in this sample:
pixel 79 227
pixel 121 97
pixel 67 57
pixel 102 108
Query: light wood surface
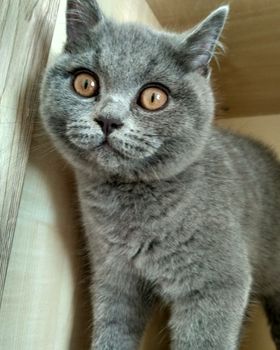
pixel 25 36
pixel 248 80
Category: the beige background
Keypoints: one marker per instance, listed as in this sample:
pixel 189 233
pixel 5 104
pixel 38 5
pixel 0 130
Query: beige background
pixel 249 74
pixel 44 299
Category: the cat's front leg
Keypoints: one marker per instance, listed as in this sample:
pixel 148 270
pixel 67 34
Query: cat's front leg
pixel 211 318
pixel 122 302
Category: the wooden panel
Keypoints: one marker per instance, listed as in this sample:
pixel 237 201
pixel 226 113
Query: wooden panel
pixel 130 11
pixel 44 295
pixel 249 78
pixel 26 29
pixel 257 333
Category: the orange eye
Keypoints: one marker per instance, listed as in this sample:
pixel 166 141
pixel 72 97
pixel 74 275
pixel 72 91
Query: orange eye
pixel 153 98
pixel 85 84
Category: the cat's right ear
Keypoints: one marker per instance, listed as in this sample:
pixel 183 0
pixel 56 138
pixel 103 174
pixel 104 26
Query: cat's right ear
pixel 81 18
pixel 197 46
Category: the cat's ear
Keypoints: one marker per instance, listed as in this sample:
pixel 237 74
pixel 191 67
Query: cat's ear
pixel 81 17
pixel 198 45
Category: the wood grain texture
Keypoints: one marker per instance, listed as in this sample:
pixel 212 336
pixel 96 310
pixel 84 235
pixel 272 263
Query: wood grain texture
pixel 130 11
pixel 26 29
pixel 248 80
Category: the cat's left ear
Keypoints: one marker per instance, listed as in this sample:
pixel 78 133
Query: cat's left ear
pixel 197 46
pixel 81 18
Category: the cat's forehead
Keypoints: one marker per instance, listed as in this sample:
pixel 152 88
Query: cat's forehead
pixel 130 37
pixel 130 50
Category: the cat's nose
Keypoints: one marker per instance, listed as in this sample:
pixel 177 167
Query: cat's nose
pixel 108 125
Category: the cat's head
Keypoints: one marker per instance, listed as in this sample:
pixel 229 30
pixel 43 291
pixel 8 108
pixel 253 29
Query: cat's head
pixel 127 99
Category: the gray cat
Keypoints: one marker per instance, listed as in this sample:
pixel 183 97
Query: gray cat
pixel 173 207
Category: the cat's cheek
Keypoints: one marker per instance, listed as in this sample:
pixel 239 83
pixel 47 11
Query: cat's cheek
pixel 84 140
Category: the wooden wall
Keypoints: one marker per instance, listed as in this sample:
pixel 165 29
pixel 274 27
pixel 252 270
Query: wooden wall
pixel 248 80
pixel 25 36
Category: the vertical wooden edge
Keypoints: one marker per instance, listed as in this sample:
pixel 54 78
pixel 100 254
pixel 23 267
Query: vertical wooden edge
pixel 38 21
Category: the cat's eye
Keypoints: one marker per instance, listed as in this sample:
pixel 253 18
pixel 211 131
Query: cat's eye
pixel 153 98
pixel 85 84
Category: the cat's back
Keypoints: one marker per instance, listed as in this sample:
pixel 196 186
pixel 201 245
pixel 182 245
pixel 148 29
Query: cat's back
pixel 248 170
pixel 251 173
pixel 252 162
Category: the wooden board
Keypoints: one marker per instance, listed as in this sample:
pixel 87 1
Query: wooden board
pixel 249 78
pixel 26 30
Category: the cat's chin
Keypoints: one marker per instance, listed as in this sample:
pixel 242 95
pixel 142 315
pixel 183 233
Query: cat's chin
pixel 113 162
pixel 108 157
pixel 106 148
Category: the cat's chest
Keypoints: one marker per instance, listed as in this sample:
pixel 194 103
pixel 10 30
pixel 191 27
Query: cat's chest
pixel 131 218
pixel 149 227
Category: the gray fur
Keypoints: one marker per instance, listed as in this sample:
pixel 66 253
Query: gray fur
pixel 179 209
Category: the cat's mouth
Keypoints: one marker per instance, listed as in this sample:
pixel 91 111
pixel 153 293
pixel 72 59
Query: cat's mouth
pixel 107 146
pixel 106 143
